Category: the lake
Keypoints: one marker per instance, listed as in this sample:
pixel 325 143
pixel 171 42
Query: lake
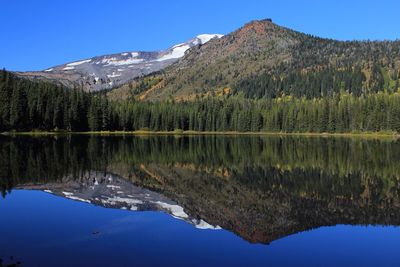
pixel 80 200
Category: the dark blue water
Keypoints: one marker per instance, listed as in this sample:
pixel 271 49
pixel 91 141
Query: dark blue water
pixel 45 230
pixel 141 201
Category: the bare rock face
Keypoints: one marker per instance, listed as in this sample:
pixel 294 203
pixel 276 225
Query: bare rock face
pixel 109 71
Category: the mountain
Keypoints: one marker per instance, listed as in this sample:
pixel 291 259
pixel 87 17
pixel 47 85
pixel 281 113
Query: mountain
pixel 108 71
pixel 261 77
pixel 263 59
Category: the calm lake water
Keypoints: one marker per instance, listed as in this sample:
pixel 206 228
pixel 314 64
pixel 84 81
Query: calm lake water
pixel 199 201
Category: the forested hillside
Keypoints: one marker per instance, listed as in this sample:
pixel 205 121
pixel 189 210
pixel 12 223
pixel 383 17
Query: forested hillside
pixel 27 106
pixel 264 60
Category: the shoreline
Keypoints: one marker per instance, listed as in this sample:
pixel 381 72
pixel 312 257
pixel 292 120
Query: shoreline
pixel 229 133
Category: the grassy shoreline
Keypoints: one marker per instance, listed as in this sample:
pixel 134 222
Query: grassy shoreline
pixel 229 133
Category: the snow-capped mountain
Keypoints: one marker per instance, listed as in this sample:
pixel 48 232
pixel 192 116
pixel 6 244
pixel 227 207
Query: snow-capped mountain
pixel 108 71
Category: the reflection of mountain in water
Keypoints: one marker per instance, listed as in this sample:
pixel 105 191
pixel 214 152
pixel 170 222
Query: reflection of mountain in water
pixel 264 204
pixel 259 188
pixel 111 191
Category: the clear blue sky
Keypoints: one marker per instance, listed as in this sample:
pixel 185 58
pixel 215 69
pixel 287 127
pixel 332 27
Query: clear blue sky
pixel 38 34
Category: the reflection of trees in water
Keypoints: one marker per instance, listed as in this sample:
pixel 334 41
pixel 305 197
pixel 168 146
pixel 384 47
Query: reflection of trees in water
pixel 262 188
pixel 38 159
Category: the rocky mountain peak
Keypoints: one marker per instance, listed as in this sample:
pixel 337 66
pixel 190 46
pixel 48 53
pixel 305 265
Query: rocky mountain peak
pixel 259 26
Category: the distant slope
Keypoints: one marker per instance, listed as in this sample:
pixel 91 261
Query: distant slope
pixel 108 71
pixel 262 59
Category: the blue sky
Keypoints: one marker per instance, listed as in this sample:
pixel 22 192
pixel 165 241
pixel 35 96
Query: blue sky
pixel 43 33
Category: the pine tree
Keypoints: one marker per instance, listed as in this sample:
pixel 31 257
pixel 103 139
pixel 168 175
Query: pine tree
pixel 18 108
pixel 5 95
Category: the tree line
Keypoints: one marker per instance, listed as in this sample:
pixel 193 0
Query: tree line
pixel 337 114
pixel 267 160
pixel 27 106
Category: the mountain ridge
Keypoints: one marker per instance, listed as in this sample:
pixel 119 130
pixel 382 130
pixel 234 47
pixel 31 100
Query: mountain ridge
pixel 110 70
pixel 275 61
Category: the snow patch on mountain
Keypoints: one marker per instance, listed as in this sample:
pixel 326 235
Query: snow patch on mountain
pixel 176 52
pixel 204 38
pixel 76 63
pixel 177 45
pixel 179 50
pixel 113 186
pixel 113 75
pixel 119 62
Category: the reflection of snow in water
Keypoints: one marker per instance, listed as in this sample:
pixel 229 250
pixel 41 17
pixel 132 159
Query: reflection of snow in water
pixel 176 211
pixel 115 192
pixel 204 225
